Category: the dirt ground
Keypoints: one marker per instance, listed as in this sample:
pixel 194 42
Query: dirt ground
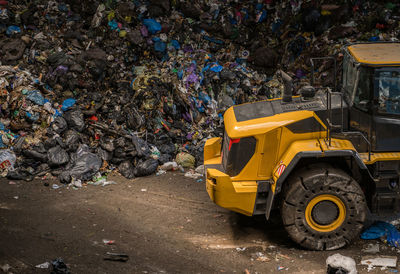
pixel 165 224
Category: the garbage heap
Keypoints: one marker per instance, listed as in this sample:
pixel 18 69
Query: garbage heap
pixel 90 86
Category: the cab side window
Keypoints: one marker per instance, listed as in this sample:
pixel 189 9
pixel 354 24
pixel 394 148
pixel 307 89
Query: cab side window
pixel 388 85
pixel 363 94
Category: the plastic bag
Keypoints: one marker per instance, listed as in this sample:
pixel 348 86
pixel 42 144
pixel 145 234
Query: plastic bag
pixel 86 165
pixel 35 155
pixel 36 97
pixel 382 229
pixel 7 159
pixel 127 170
pixel 185 159
pixel 67 104
pixel 59 125
pixel 75 120
pixel 71 140
pixel 152 25
pixel 57 156
pixel 146 168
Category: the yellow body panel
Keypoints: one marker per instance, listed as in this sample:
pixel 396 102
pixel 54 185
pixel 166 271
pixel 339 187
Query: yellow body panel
pixel 296 147
pixel 259 126
pixel 336 144
pixel 236 196
pixel 212 149
pixel 382 156
pixel 376 53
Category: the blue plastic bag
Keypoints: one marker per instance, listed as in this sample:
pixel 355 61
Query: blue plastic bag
pixel 13 30
pixel 36 97
pixel 373 38
pixel 216 41
pixel 68 103
pixel 152 25
pixel 216 68
pixel 382 229
pixel 113 25
pixel 160 46
pixel 32 116
pixel 175 44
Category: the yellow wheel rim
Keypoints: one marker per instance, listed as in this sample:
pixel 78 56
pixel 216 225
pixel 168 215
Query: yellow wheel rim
pixel 334 224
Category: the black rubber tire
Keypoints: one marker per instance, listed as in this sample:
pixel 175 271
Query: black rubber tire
pixel 310 182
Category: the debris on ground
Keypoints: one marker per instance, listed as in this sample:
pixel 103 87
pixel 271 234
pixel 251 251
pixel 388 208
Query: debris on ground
pixel 382 230
pixel 142 83
pixel 5 268
pixel 44 265
pixel 108 242
pixel 118 257
pixel 59 267
pixel 371 248
pixel 381 261
pixel 338 263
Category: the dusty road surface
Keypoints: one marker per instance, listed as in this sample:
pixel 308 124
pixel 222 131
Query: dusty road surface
pixel 165 224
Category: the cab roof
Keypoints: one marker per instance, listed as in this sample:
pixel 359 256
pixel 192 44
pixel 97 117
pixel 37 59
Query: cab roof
pixel 375 54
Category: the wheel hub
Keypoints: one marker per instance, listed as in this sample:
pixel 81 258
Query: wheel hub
pixel 325 213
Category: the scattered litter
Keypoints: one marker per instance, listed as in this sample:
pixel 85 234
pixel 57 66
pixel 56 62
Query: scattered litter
pixel 338 263
pixel 44 265
pixel 55 186
pixel 16 197
pixel 383 261
pixel 108 242
pixel 12 183
pixel 102 183
pixel 5 268
pixel 384 230
pixel 143 190
pixel 59 267
pixel 192 174
pixel 259 256
pixel 169 166
pixel 161 172
pixel 371 248
pixel 240 249
pixel 116 257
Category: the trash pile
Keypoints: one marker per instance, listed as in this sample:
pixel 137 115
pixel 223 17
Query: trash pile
pixel 89 87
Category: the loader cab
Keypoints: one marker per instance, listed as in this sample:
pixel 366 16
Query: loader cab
pixel 371 87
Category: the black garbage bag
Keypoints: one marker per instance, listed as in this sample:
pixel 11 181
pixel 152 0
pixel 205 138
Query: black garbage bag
pixel 86 165
pixel 164 158
pixel 57 156
pixel 167 148
pixel 59 125
pixel 127 170
pixel 141 146
pixel 107 144
pixel 146 168
pixel 19 174
pixel 104 154
pixel 74 119
pixel 59 267
pixel 71 140
pixel 30 153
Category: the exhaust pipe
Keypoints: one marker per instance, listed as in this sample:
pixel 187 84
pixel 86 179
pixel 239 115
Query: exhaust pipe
pixel 288 90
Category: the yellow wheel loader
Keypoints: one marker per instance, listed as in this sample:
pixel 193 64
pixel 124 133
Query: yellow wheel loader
pixel 325 158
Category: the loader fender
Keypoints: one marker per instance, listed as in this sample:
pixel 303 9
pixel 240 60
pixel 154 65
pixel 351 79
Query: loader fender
pixel 305 149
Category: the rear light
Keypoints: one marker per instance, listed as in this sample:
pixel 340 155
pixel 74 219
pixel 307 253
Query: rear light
pixel 233 141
